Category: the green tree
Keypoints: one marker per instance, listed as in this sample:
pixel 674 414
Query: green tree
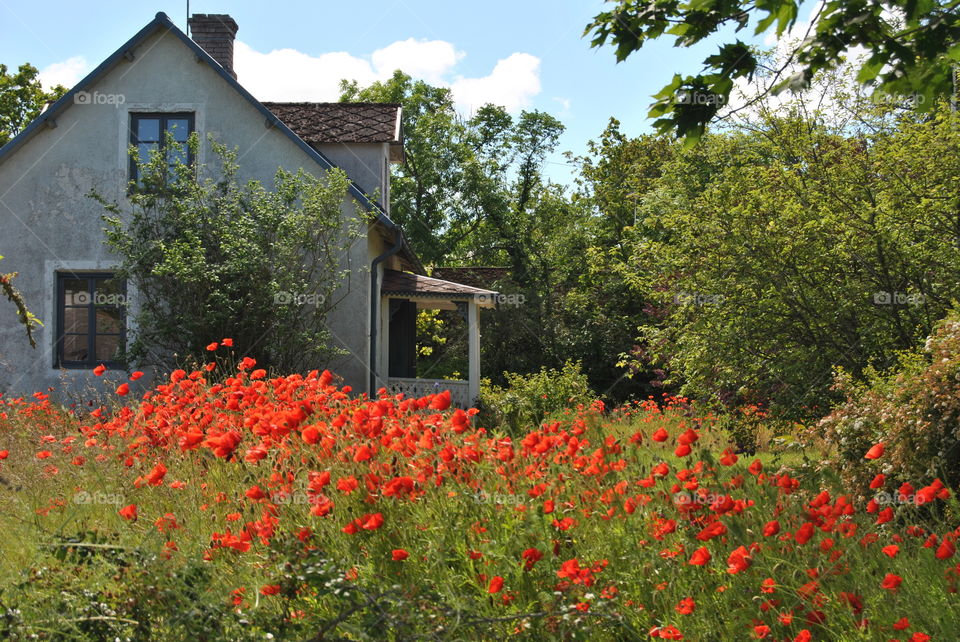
pixel 22 98
pixel 912 48
pixel 793 244
pixel 210 257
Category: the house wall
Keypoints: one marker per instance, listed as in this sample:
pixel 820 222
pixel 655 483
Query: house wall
pixel 367 164
pixel 48 223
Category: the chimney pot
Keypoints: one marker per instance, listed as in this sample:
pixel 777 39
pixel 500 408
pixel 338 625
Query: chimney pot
pixel 214 32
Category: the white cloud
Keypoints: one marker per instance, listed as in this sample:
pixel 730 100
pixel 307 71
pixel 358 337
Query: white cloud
pixel 514 81
pixel 430 60
pixel 291 75
pixel 67 73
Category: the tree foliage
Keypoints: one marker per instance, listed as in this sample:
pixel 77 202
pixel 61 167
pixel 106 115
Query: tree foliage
pixel 784 248
pixel 210 258
pixel 22 98
pixel 912 48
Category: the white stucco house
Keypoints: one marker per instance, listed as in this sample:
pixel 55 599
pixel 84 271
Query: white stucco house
pixel 163 80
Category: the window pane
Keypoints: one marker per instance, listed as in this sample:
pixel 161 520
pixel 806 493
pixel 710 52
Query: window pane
pixel 179 127
pixel 109 320
pixel 76 319
pixel 107 347
pixel 109 292
pixel 75 292
pixel 148 129
pixel 75 347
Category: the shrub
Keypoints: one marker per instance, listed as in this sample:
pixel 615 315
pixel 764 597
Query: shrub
pixel 527 400
pixel 913 410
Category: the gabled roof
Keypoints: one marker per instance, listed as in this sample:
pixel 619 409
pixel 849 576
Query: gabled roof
pixel 318 123
pixel 161 21
pixel 417 286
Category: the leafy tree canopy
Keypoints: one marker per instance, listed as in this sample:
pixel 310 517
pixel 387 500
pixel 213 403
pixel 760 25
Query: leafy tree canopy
pixel 22 98
pixel 913 48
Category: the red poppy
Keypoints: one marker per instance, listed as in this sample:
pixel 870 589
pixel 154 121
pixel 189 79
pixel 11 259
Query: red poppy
pixel 129 512
pixel 901 624
pixel 700 557
pixel 686 606
pixel 946 549
pixel 659 435
pixel 531 556
pixel 399 554
pixel 135 375
pixel 123 389
pixel 878 481
pixel 891 581
pixel 99 370
pixel 270 589
pixel 227 342
pixel 496 584
pixel 213 346
pixel 875 452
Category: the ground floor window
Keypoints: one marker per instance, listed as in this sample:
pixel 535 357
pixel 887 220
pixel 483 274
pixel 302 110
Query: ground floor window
pixel 91 319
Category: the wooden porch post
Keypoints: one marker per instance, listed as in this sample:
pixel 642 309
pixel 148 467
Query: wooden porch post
pixel 473 331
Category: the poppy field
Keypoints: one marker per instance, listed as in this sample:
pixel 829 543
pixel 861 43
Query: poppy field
pixel 226 503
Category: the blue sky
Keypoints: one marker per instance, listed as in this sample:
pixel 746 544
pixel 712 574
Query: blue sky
pixel 524 54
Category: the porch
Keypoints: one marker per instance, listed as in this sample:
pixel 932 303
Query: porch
pixel 402 296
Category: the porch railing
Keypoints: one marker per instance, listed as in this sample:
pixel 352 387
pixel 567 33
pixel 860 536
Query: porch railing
pixel 459 390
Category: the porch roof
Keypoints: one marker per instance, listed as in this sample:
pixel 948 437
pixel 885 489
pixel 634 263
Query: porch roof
pixel 418 286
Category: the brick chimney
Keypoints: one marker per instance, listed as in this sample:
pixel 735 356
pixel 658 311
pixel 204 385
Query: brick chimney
pixel 215 32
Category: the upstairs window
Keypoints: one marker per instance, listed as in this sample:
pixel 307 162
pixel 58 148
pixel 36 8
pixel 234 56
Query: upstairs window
pixel 91 323
pixel 148 133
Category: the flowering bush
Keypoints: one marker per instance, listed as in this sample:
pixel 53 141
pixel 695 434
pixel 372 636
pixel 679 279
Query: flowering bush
pixel 310 513
pixel 914 412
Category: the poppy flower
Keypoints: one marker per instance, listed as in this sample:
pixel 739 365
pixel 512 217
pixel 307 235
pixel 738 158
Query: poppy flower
pixel 761 631
pixel 878 481
pixel 399 554
pixel 496 584
pixel 99 370
pixel 212 346
pixel 129 512
pixel 946 549
pixel 891 550
pixel 270 589
pixel 227 342
pixel 700 557
pixel 135 375
pixel 891 582
pixel 531 556
pixel 440 401
pixel 123 389
pixel 659 435
pixel 901 624
pixel 875 452
pixel 686 606
pixel 4 454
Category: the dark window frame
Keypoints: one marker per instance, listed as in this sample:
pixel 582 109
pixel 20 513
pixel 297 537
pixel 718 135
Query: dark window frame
pixel 91 362
pixel 163 117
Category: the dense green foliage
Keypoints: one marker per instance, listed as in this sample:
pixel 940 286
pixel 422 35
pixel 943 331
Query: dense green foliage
pixel 775 253
pixel 22 98
pixel 210 257
pixel 911 48
pixel 528 400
